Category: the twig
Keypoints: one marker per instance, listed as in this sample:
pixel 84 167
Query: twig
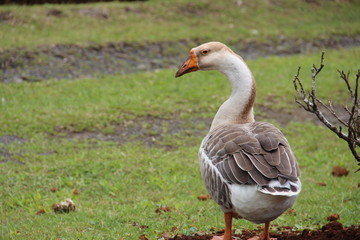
pixel 309 102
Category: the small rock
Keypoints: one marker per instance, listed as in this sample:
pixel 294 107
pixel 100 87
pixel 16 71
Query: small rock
pixel 64 207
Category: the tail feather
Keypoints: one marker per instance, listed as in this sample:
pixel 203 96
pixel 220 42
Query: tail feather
pixel 289 188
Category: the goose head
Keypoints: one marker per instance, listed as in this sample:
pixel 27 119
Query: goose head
pixel 217 56
pixel 208 56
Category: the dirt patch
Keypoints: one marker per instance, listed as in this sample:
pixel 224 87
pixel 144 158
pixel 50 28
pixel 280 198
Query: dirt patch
pixel 331 231
pixel 5 154
pixel 35 2
pixel 284 116
pixel 54 13
pixel 8 139
pixel 95 12
pixel 69 61
pixel 8 17
pixel 151 130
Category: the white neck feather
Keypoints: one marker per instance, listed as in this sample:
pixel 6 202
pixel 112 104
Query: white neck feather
pixel 239 107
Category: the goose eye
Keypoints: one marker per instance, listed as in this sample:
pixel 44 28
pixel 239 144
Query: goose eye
pixel 204 52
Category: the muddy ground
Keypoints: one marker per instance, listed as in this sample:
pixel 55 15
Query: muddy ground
pixel 331 231
pixel 69 61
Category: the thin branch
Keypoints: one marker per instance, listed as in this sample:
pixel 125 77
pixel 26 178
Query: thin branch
pixel 347 110
pixel 345 77
pixel 309 102
pixel 332 111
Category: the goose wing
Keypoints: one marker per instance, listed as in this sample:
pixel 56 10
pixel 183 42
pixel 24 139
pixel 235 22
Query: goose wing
pixel 255 153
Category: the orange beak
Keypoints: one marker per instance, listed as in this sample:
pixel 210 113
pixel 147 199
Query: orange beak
pixel 190 65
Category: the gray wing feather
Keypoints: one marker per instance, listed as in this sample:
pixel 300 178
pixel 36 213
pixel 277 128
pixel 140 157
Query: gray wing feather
pixel 243 162
pixel 256 152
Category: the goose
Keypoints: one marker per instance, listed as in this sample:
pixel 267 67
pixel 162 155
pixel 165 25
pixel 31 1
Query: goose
pixel 248 167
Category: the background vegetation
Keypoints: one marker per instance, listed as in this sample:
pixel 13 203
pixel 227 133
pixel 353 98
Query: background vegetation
pixel 160 20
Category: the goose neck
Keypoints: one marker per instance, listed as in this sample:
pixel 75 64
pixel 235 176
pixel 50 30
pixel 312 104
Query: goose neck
pixel 238 108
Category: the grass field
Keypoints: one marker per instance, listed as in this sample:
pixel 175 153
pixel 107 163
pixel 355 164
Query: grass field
pixel 128 143
pixel 156 20
pixel 121 184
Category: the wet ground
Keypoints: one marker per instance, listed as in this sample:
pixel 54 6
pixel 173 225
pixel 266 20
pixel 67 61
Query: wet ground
pixel 69 61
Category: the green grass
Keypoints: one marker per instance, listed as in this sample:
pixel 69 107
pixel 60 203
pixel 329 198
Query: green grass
pixel 159 20
pixel 121 184
pixel 95 104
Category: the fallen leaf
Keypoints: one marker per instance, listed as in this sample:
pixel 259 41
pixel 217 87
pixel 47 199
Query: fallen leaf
pixel 165 235
pixel 143 227
pixel 339 171
pixel 76 192
pixel 290 211
pixel 143 237
pixel 40 212
pixel 203 197
pixel 333 217
pixel 322 184
pixel 163 209
pixel 53 189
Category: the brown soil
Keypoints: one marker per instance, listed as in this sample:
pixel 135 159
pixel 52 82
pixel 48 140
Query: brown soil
pixel 331 231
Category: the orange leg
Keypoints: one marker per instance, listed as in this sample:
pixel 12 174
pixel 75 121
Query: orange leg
pixel 228 223
pixel 265 235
